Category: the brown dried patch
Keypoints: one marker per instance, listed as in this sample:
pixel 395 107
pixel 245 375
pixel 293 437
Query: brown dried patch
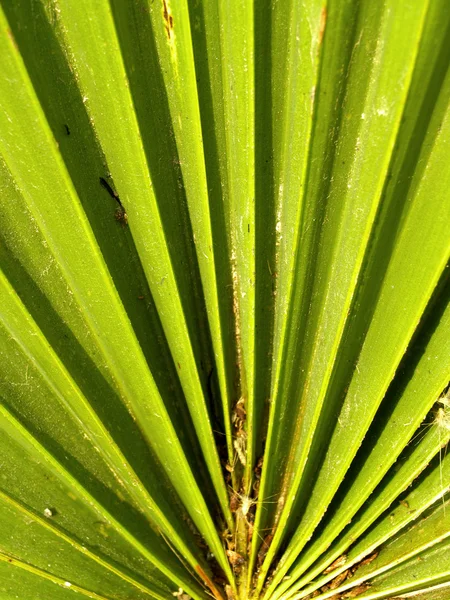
pixel 356 591
pixel 367 560
pixel 227 537
pixel 258 469
pixel 236 559
pixel 229 592
pixel 323 23
pixel 240 412
pixel 344 576
pixel 353 593
pixel 168 20
pixel 339 562
pixel 209 583
pixel 234 502
pixel 121 216
pixel 9 33
pixel 336 582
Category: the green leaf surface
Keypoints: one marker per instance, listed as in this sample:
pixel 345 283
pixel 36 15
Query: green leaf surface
pixel 430 531
pixel 224 284
pixel 380 355
pixel 294 77
pixel 411 506
pixel 396 432
pixel 48 490
pixel 429 569
pixel 125 156
pixel 348 220
pixel 88 279
pixel 435 592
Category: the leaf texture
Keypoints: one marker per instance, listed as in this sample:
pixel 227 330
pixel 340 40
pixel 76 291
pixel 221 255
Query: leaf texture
pixel 224 318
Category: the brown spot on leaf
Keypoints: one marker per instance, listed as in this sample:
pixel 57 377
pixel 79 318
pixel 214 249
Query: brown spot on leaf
pixel 121 216
pixel 234 503
pixel 9 33
pixel 240 410
pixel 209 583
pixel 235 558
pixel 323 22
pixel 339 562
pixel 336 582
pixel 258 469
pixel 369 559
pixel 357 591
pixel 168 19
pixel 229 592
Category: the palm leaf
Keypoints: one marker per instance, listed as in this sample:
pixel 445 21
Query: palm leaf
pixel 225 322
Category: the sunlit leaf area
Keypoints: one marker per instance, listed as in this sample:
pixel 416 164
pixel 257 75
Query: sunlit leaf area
pixel 224 299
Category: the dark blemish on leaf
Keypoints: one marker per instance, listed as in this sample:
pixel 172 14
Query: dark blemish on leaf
pixel 120 215
pixel 66 127
pixel 210 386
pixel 248 227
pixel 168 19
pixel 109 189
pixel 258 469
pixel 235 558
pixel 234 503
